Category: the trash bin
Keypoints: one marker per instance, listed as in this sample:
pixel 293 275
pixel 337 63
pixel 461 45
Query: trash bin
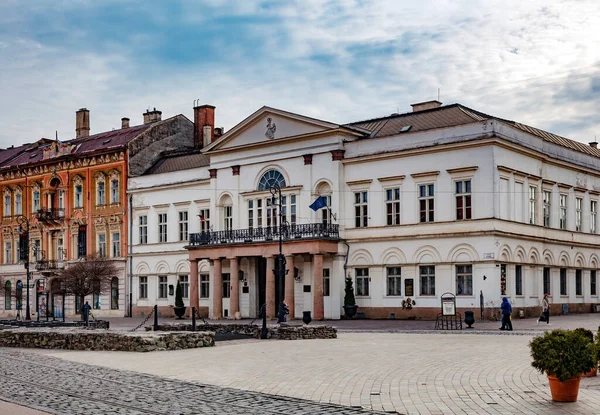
pixel 469 318
pixel 565 309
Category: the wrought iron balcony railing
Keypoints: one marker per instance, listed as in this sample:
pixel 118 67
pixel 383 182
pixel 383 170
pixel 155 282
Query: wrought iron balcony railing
pixel 50 215
pixel 269 234
pixel 49 265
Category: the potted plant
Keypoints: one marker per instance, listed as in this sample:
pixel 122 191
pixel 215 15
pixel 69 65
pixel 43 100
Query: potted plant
pixel 350 306
pixel 564 356
pixel 590 336
pixel 179 308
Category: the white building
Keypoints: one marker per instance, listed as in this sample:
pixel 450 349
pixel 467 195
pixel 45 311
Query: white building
pixel 442 199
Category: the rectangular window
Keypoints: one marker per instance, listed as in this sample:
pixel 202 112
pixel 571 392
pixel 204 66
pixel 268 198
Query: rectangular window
pixel 162 286
pixel 143 227
pixel 61 203
pixel 18 204
pixel 185 285
pixel 100 194
pixel 427 276
pixel 250 214
pixel 326 212
pixel 392 206
pixel 464 280
pixel 578 213
pixel 593 282
pixel 547 281
pixel 532 204
pixel 362 282
pixel 36 201
pixel 204 220
pixel 228 217
pixel 361 209
pixel 259 213
pixel 394 285
pixel 578 282
pixel 114 191
pixel 78 196
pixel 226 285
pixel 563 212
pixel 143 287
pixel 101 244
pixel 96 301
pixel 518 280
pixel 162 227
pixel 593 210
pixel 8 252
pixel 183 226
pixel 7 205
pixel 293 214
pixel 563 281
pixel 204 286
pixel 116 244
pixel 426 202
pixel 326 282
pixel 463 199
pixel 547 207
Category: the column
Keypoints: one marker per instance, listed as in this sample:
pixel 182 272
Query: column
pixel 234 295
pixel 289 284
pixel 194 298
pixel 318 287
pixel 270 287
pixel 217 290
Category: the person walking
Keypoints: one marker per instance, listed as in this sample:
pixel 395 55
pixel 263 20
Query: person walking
pixel 86 312
pixel 545 310
pixel 506 312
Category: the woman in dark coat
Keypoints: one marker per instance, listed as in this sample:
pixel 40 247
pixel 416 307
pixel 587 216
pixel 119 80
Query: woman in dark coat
pixel 506 312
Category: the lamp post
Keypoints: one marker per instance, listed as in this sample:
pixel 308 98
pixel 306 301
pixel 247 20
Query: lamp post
pixel 24 254
pixel 276 198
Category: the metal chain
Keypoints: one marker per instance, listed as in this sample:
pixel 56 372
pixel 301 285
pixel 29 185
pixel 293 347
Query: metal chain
pixel 145 321
pixel 200 317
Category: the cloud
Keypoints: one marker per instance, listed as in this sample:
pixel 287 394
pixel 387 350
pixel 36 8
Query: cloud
pixel 337 60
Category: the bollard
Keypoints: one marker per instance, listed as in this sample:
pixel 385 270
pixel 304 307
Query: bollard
pixel 155 318
pixel 263 332
pixel 193 318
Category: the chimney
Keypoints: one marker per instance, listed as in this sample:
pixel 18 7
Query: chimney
pixel 594 144
pixel 204 125
pixel 219 132
pixel 82 123
pixel 427 105
pixel 152 116
pixel 124 122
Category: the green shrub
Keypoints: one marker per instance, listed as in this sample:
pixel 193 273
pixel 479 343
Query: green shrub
pixel 349 299
pixel 178 296
pixel 563 353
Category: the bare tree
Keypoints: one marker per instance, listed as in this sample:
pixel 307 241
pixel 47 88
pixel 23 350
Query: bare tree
pixel 93 275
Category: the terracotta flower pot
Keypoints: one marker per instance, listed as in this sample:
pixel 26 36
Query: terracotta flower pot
pixel 564 391
pixel 591 374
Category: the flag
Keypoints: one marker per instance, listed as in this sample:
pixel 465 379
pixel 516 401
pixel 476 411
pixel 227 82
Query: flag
pixel 201 216
pixel 318 204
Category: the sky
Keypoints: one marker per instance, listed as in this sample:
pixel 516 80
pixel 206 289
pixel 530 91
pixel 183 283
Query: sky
pixel 536 62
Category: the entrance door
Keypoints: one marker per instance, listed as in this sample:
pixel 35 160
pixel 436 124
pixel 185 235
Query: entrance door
pixel 261 273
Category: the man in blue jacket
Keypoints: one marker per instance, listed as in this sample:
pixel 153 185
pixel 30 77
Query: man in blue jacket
pixel 506 312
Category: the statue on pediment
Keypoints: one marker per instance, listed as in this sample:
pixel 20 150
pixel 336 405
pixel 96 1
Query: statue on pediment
pixel 271 128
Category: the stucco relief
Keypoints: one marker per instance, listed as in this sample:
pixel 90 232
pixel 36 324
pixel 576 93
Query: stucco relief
pixel 271 128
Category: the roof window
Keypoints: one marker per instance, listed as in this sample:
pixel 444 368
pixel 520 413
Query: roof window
pixel 405 128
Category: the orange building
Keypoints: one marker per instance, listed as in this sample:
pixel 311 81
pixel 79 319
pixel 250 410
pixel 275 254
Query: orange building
pixel 69 200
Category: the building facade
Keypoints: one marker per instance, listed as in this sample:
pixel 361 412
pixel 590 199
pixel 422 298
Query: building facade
pixel 63 201
pixel 443 199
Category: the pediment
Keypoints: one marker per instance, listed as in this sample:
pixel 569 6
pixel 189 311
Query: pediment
pixel 269 125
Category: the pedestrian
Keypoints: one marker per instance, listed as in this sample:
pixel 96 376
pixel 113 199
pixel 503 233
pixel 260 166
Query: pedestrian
pixel 545 309
pixel 86 312
pixel 506 312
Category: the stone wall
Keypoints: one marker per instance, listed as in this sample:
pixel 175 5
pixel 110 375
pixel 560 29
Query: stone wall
pixel 284 332
pixel 81 339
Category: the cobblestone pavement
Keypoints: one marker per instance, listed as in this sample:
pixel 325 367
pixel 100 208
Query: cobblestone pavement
pixel 63 387
pixel 414 373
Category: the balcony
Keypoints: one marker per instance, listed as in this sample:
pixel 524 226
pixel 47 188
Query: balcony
pixel 268 235
pixel 50 215
pixel 52 265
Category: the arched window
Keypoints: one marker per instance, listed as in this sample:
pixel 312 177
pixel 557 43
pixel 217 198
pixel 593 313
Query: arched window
pixel 114 294
pixel 7 295
pixel 271 178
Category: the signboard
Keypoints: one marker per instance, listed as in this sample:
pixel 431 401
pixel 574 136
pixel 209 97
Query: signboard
pixel 448 304
pixel 409 287
pixel 488 255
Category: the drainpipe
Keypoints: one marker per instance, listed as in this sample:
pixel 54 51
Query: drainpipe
pixel 130 257
pixel 346 260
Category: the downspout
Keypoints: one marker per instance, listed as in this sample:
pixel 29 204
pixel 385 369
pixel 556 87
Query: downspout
pixel 130 256
pixel 346 260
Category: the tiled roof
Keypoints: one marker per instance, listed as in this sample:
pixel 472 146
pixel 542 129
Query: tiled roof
pixel 453 115
pixel 179 162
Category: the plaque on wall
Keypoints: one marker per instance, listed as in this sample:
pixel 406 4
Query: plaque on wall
pixel 409 287
pixel 307 288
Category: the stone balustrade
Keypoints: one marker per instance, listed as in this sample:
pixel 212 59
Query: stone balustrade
pixel 81 339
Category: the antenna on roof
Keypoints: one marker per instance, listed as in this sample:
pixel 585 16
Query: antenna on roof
pixel 57 140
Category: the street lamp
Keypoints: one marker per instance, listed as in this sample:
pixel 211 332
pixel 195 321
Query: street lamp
pixel 24 255
pixel 276 198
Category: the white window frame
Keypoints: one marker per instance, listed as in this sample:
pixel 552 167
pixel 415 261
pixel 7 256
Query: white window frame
pixel 163 235
pixel 114 191
pixel 204 286
pixel 361 209
pixel 393 281
pixel 204 224
pixel 100 193
pixel 183 217
pixel 8 252
pixel 464 275
pixel 143 229
pixel 78 196
pixel 426 290
pixel 532 204
pixel 562 222
pixel 115 238
pixel 184 280
pixel 228 217
pixel 426 194
pixel 392 205
pixel 462 192
pixel 143 288
pixel 18 204
pixel 593 216
pixel 7 204
pixel 362 275
pixel 547 207
pixel 578 213
pixel 163 287
pixel 101 239
pixel 36 201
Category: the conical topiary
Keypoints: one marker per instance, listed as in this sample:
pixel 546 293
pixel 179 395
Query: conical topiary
pixel 349 299
pixel 178 296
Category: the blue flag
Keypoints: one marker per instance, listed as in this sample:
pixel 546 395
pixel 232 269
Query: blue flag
pixel 318 204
